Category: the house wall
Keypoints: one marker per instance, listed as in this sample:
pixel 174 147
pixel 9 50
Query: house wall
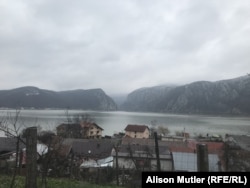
pixel 172 138
pixel 79 131
pixel 94 132
pixel 125 163
pixel 166 165
pixel 144 134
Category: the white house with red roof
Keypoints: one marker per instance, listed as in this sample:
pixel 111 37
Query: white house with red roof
pixel 137 131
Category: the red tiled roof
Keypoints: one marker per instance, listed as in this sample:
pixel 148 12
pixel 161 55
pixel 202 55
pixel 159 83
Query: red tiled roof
pixel 180 146
pixel 214 147
pixel 89 124
pixel 136 128
pixel 190 146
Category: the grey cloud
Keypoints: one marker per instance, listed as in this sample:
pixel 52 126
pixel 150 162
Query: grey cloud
pixel 122 45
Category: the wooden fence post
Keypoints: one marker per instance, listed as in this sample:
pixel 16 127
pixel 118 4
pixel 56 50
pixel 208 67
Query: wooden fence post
pixel 31 157
pixel 202 158
pixel 157 152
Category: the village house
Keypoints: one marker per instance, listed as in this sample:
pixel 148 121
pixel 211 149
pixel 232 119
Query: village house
pixel 237 153
pixel 142 156
pixel 137 131
pixel 185 155
pixel 91 149
pixel 8 146
pixel 184 152
pixel 8 152
pixel 88 149
pixel 89 154
pixel 79 130
pixel 91 159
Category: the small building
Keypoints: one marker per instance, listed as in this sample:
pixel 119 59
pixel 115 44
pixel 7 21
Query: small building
pixel 173 138
pixel 187 162
pixel 91 149
pixel 91 130
pixel 184 153
pixel 8 155
pixel 79 130
pixel 137 131
pixel 8 145
pixel 237 153
pixel 142 157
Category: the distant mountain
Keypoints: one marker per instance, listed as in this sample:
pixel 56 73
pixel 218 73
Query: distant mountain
pixel 221 97
pixel 33 97
pixel 145 99
pixel 119 98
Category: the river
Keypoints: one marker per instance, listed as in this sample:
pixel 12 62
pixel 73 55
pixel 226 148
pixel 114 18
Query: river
pixel 114 122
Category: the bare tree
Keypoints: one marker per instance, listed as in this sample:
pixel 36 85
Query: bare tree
pixel 73 127
pixel 140 158
pixel 153 127
pixel 14 127
pixel 161 130
pixel 53 161
pixel 77 118
pixel 9 125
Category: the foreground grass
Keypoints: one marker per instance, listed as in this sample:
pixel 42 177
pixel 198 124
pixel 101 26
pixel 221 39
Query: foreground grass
pixel 5 182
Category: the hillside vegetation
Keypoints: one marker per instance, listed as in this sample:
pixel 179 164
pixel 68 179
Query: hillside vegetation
pixel 52 183
pixel 221 97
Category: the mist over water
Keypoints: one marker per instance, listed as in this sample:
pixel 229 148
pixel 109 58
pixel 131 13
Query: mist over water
pixel 114 122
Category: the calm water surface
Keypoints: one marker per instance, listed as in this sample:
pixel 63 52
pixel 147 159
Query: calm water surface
pixel 113 122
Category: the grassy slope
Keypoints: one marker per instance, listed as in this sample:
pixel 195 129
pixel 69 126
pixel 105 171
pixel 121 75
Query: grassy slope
pixel 52 183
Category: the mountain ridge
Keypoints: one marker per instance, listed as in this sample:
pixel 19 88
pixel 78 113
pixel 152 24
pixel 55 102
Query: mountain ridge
pixel 34 97
pixel 230 96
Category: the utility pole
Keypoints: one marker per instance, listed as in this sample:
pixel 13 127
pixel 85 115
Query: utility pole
pixel 157 152
pixel 202 158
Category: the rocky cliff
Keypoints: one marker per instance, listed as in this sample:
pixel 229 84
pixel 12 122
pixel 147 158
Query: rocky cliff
pixel 221 97
pixel 33 97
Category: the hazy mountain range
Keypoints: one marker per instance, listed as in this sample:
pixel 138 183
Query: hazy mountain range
pixel 230 96
pixel 33 97
pixel 221 97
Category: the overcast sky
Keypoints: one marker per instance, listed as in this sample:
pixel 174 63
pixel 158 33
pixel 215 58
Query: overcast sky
pixel 121 45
